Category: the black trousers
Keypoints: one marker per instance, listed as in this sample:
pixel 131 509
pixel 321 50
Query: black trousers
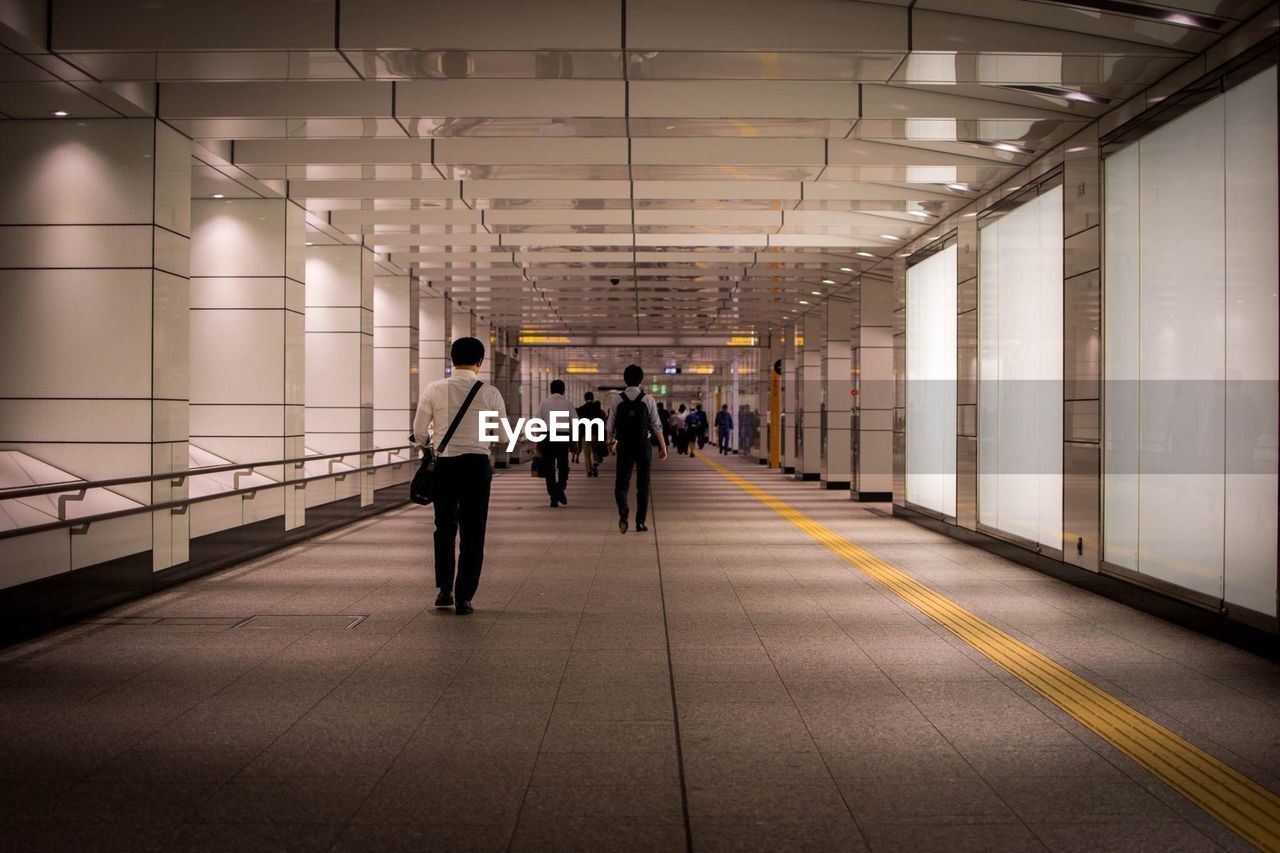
pixel 461 498
pixel 555 466
pixel 724 440
pixel 628 458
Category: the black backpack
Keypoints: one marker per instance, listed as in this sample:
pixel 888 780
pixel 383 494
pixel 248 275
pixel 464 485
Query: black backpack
pixel 632 428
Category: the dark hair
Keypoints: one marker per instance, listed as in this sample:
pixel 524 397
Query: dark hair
pixel 557 386
pixel 682 407
pixel 725 407
pixel 633 375
pixel 467 351
pixel 588 396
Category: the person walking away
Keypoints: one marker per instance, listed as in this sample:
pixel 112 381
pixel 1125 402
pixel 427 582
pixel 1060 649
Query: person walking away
pixel 724 428
pixel 679 430
pixel 633 420
pixel 704 427
pixel 555 454
pixel 665 417
pixel 691 432
pixel 463 474
pixel 591 410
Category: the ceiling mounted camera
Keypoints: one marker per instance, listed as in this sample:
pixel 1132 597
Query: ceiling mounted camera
pixel 614 281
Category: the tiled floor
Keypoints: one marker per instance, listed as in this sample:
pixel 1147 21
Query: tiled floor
pixel 812 709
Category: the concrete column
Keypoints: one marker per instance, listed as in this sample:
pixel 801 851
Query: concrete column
pixel 248 363
pixel 789 415
pixel 395 358
pixel 340 359
pixel 809 401
pixel 734 401
pixel 483 330
pixel 95 218
pixel 837 379
pixel 433 336
pixel 872 339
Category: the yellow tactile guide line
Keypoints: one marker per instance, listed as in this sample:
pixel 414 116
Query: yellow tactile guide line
pixel 1244 806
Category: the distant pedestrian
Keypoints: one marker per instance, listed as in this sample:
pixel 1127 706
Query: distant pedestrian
pixel 555 454
pixel 633 420
pixel 724 428
pixel 591 410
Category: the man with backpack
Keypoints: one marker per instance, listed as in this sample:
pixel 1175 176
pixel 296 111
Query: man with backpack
pixel 724 428
pixel 633 420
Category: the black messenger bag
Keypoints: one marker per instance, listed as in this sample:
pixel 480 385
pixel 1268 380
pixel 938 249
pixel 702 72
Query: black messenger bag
pixel 420 488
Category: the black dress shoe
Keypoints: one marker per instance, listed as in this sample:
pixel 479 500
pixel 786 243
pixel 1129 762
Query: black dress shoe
pixel 444 599
pixel 554 503
pixel 622 525
pixel 464 608
pixel 640 528
pixel 564 500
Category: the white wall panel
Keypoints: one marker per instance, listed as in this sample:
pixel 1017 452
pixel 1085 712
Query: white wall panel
pixel 238 237
pixel 76 173
pixel 237 357
pixel 931 382
pixel 103 318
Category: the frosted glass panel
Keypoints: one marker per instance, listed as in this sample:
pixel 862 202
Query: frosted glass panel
pixel 1191 314
pixel 1180 351
pixel 1251 338
pixel 931 382
pixel 1020 368
pixel 1120 426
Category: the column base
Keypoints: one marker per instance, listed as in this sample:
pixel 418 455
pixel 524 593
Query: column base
pixel 788 469
pixel 835 485
pixel 808 477
pixel 873 497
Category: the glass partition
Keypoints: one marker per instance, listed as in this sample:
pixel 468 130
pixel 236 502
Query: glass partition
pixel 931 382
pixel 1020 370
pixel 1190 486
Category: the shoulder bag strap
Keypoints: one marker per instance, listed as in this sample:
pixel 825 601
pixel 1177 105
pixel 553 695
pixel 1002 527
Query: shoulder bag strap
pixel 466 404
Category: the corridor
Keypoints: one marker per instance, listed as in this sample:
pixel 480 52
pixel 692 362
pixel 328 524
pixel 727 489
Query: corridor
pixel 726 681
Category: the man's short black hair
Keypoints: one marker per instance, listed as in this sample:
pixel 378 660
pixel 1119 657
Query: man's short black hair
pixel 725 407
pixel 588 396
pixel 467 351
pixel 633 375
pixel 557 386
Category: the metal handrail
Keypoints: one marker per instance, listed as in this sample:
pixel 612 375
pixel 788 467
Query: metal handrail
pixel 180 506
pixel 179 476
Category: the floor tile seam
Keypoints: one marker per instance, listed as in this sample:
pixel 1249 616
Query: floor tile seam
pixel 515 826
pixel 671 675
pixel 805 723
pixel 1158 778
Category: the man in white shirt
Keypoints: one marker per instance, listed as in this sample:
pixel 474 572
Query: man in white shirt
pixel 463 473
pixel 555 454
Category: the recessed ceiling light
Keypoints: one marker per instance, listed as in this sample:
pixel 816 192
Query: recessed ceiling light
pixel 889 237
pixel 804 302
pixel 1002 146
pixel 827 281
pixel 59 114
pixel 850 269
pixel 863 255
pixel 216 195
pixel 960 188
pixel 308 243
pixel 924 214
pixel 815 292
pixel 1077 149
